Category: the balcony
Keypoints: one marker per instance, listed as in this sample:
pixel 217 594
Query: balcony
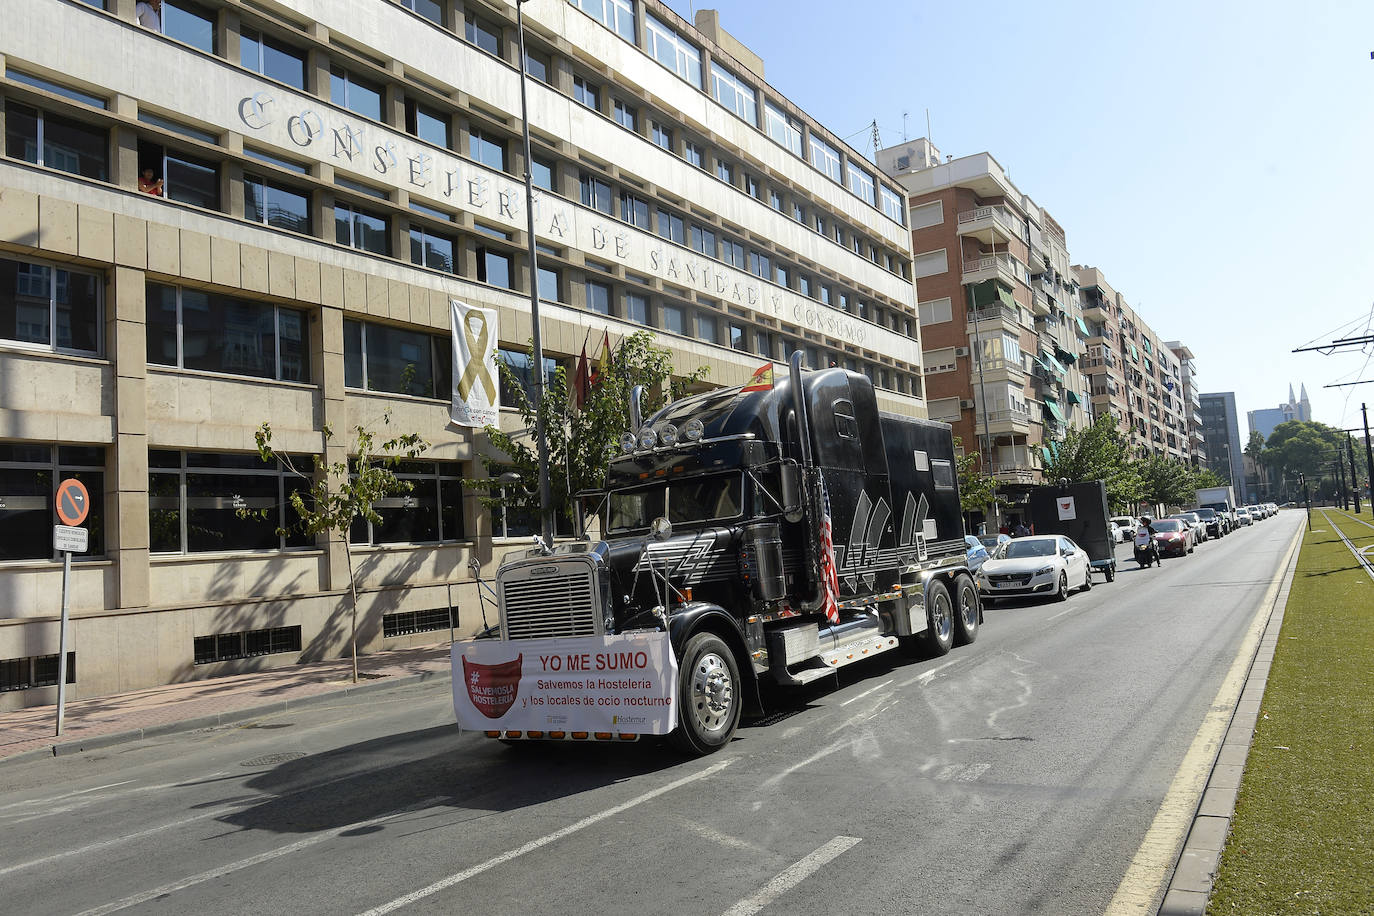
pixel 989 225
pixel 1040 303
pixel 1097 310
pixel 993 314
pixel 998 370
pixel 1000 422
pixel 993 267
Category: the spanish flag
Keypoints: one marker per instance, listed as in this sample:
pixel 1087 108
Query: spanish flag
pixel 761 380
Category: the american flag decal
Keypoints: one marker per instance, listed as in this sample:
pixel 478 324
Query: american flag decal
pixel 829 579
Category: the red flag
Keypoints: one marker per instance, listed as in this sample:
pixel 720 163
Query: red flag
pixel 761 380
pixel 582 383
pixel 602 361
pixel 829 578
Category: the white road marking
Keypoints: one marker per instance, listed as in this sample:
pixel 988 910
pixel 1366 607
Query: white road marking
pixel 249 862
pixel 793 876
pixel 545 840
pixel 715 836
pixel 1062 613
pixel 926 676
pixel 823 752
pixel 21 818
pixel 867 692
pixel 1159 850
pixel 47 801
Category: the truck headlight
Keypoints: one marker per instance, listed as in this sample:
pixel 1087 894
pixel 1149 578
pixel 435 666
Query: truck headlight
pixel 667 434
pixel 694 429
pixel 647 438
pixel 628 441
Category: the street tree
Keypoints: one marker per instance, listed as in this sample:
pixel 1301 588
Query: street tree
pixel 977 490
pixel 343 491
pixel 1096 452
pixel 583 439
pixel 1304 447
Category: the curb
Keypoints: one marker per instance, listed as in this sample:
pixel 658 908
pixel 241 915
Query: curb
pixel 214 720
pixel 1195 872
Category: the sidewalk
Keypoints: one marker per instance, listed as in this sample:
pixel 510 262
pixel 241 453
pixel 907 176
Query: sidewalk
pixel 101 721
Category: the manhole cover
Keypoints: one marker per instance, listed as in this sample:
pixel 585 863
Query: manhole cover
pixel 269 760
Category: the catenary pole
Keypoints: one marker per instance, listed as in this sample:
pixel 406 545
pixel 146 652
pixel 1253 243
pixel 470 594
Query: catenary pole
pixel 540 382
pixel 1354 479
pixel 1368 454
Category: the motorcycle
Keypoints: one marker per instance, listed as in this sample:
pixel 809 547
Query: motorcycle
pixel 1146 551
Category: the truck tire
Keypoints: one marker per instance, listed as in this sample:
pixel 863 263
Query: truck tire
pixel 709 698
pixel 940 617
pixel 966 610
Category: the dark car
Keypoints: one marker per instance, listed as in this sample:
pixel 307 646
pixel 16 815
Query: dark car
pixel 1213 521
pixel 1173 537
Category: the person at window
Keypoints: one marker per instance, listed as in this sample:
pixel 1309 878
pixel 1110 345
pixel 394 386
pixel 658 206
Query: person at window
pixel 148 184
pixel 149 14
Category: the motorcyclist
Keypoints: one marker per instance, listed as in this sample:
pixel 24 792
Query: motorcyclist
pixel 1145 538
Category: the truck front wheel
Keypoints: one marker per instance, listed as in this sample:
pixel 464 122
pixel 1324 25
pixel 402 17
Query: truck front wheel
pixel 708 690
pixel 966 610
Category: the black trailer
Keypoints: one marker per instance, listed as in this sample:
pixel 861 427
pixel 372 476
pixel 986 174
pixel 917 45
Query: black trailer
pixel 1079 512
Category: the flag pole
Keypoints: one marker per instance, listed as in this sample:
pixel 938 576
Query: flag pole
pixel 540 434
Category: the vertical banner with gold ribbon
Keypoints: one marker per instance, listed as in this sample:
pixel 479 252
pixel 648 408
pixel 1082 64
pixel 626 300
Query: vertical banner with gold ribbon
pixel 476 392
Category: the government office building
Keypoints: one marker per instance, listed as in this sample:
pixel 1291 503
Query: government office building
pixel 221 213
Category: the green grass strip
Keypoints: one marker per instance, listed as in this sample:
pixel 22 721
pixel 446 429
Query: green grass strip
pixel 1302 840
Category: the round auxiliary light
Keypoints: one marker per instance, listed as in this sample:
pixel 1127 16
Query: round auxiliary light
pixel 647 438
pixel 694 430
pixel 667 434
pixel 628 441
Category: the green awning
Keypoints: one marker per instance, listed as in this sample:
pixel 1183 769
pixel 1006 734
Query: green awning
pixel 982 294
pixel 1064 356
pixel 1048 457
pixel 1074 398
pixel 1146 344
pixel 1082 326
pixel 1135 354
pixel 1053 407
pixel 1005 295
pixel 1051 363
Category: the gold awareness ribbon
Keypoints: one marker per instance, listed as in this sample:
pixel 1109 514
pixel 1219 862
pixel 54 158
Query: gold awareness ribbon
pixel 476 370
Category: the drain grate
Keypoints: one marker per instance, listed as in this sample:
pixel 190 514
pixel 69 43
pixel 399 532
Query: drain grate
pixel 268 760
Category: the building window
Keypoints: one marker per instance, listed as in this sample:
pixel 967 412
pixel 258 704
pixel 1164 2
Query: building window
pixel 672 50
pixel 732 253
pixel 586 93
pixel 763 343
pixel 483 34
pixel 706 327
pixel 187 23
pixel 359 229
pixel 825 157
pixel 428 124
pixel 662 135
pixel 208 332
pixel 637 308
pixel 349 91
pixel 634 210
pixel 432 511
pixel 804 285
pixel 783 128
pixel 549 283
pixel 672 227
pixel 725 171
pixel 704 241
pixel 34 671
pixel 780 276
pixel 275 205
pixel 430 9
pixel 892 205
pixel 734 93
pixel 191 181
pixel 861 183
pixel 541 173
pixel 598 298
pixel 674 319
pixel 397 361
pixel 693 154
pixel 537 65
pixel 494 267
pixel 751 186
pixel 38 82
pixel 56 142
pixel 29 475
pixel 223 647
pixel 616 15
pixel 626 116
pixel 775 199
pixel 759 264
pixel 429 249
pixel 798 213
pixel 50 307
pixel 487 148
pixel 596 193
pixel 738 338
pixel 273 59
pixel 406 623
pixel 520 366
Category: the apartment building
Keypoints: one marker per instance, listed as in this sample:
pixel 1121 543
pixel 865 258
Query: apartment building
pixel 1225 452
pixel 1001 325
pixel 238 211
pixel 1134 377
pixel 1192 402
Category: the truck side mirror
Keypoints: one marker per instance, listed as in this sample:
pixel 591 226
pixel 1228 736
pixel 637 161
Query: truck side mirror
pixel 789 478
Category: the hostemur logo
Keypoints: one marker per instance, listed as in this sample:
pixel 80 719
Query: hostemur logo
pixel 629 720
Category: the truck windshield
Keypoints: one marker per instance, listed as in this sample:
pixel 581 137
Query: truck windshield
pixel 700 499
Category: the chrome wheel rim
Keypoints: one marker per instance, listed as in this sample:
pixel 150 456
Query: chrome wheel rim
pixel 713 693
pixel 941 617
pixel 968 607
pixel 1063 585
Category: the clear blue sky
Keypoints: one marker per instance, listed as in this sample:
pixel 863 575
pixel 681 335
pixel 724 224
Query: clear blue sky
pixel 1213 158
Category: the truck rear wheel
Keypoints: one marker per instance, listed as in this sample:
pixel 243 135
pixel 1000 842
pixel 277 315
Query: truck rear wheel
pixel 966 610
pixel 708 690
pixel 940 611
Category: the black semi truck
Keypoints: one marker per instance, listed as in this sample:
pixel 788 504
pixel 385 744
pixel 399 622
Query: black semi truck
pixel 714 531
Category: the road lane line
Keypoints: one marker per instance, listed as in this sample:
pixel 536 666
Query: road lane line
pixel 867 692
pixel 1158 852
pixel 543 841
pixel 793 876
pixel 212 874
pixel 47 801
pixel 1061 614
pixel 925 676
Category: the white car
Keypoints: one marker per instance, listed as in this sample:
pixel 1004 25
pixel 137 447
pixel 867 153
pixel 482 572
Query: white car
pixel 1243 517
pixel 1049 564
pixel 1128 524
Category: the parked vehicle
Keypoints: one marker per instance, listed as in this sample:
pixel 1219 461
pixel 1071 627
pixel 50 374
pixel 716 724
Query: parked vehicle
pixel 1041 564
pixel 1173 537
pixel 769 534
pixel 1195 522
pixel 976 554
pixel 1078 511
pixel 1118 533
pixel 1128 525
pixel 993 541
pixel 1243 518
pixel 1221 499
pixel 1216 526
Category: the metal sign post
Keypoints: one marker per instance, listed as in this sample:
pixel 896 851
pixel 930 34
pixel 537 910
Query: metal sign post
pixel 73 504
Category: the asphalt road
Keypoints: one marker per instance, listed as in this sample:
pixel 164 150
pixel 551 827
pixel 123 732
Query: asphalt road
pixel 1016 775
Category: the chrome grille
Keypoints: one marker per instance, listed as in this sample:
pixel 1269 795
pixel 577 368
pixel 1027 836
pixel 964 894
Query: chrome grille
pixel 563 602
